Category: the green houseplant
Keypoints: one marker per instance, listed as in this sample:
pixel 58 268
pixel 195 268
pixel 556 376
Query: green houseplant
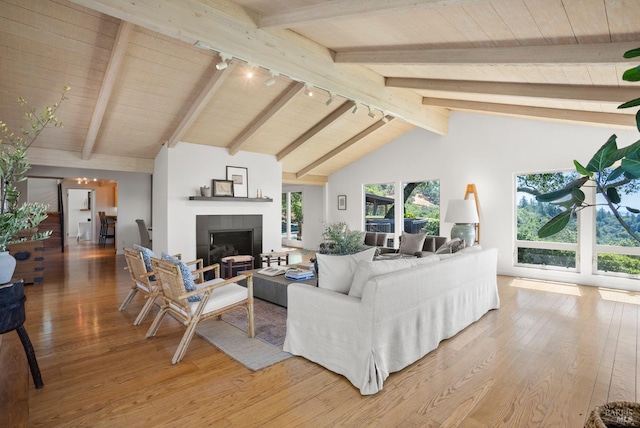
pixel 340 240
pixel 610 170
pixel 15 218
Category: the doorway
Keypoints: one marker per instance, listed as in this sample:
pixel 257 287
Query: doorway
pixel 80 215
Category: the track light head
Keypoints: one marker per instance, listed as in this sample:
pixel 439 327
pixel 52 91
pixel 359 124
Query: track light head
pixel 355 108
pixel 272 80
pixel 385 119
pixel 370 114
pixel 330 100
pixel 223 63
pixel 307 91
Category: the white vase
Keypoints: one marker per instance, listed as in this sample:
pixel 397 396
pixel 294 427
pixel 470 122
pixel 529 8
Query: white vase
pixel 7 267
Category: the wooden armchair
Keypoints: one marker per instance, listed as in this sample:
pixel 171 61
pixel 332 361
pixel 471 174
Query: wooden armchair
pixel 143 281
pixel 140 281
pixel 216 296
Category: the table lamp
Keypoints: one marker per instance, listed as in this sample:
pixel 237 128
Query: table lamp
pixel 463 213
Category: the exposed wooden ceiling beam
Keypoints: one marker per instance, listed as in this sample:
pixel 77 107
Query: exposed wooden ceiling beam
pixel 314 180
pixel 109 80
pixel 340 9
pixel 561 115
pixel 227 29
pixel 600 94
pixel 67 158
pixel 342 147
pixel 214 84
pixel 328 120
pixel 263 117
pixel 600 53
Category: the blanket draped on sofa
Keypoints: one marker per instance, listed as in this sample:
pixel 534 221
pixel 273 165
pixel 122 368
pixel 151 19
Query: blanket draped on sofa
pixel 401 317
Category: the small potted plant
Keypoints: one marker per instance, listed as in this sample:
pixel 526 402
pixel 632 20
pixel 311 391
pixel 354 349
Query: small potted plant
pixel 15 218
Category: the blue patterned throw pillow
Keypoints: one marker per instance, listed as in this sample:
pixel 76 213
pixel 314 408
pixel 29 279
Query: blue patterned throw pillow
pixel 147 255
pixel 189 285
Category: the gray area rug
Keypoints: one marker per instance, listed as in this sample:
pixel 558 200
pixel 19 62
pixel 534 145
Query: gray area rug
pixel 230 335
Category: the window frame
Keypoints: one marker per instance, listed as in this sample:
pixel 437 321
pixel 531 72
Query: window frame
pixel 544 245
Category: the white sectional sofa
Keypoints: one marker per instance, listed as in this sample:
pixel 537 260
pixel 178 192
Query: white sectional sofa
pixel 401 316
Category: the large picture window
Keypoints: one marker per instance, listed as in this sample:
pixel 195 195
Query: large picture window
pixel 379 207
pixel 422 207
pixel 559 251
pixel 616 251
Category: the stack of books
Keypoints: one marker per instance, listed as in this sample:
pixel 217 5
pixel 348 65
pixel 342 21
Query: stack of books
pixel 299 274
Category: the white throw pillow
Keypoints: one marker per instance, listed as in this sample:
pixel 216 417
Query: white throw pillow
pixel 336 272
pixel 367 270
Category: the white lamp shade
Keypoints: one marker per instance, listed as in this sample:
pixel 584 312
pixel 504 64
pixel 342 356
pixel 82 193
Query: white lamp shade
pixel 461 211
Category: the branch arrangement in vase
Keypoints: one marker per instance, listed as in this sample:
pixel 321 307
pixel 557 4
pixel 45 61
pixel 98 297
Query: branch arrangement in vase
pixel 13 167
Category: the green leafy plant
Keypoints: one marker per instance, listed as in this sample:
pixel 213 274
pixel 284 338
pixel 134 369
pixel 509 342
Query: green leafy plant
pixel 13 167
pixel 339 239
pixel 609 171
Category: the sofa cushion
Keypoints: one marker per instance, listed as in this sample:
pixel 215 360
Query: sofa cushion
pixel 335 272
pixel 367 270
pixel 411 243
pixel 453 246
pixel 187 277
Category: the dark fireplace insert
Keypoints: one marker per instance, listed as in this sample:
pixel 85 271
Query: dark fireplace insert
pixel 219 236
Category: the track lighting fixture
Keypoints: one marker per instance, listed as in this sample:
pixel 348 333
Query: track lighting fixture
pixel 272 80
pixel 370 114
pixel 355 108
pixel 307 91
pixel 223 64
pixel 385 119
pixel 330 100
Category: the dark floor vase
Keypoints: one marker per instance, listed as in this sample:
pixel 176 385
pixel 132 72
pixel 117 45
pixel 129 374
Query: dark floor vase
pixel 12 317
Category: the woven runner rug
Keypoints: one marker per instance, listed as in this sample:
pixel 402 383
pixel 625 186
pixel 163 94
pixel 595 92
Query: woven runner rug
pixel 230 335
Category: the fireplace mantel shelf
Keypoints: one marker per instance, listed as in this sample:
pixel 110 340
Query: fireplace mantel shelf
pixel 228 199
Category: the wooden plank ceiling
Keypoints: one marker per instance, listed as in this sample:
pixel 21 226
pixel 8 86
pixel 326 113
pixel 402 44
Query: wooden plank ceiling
pixel 144 73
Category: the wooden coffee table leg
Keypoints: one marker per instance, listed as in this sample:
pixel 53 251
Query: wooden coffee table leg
pixel 31 356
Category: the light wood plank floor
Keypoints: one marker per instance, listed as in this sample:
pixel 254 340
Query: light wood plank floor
pixel 545 358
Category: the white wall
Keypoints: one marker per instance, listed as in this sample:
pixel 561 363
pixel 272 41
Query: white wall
pixel 488 151
pixel 134 197
pixel 189 166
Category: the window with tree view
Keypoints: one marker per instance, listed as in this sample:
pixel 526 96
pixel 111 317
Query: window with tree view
pixel 379 207
pixel 560 250
pixel 616 251
pixel 422 207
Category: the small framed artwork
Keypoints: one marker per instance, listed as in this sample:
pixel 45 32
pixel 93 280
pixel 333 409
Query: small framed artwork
pixel 342 202
pixel 238 176
pixel 222 188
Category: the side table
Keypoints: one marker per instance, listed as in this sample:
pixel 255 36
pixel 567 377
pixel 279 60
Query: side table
pixel 12 317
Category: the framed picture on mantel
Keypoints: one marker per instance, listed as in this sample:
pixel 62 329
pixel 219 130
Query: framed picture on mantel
pixel 238 175
pixel 222 188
